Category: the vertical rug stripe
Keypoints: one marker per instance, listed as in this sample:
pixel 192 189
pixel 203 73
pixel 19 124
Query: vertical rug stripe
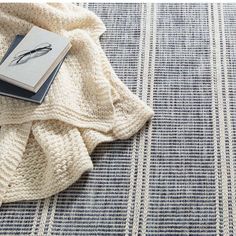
pixel 36 216
pixel 229 123
pixel 54 206
pixel 221 77
pixel 149 143
pixel 214 121
pixel 221 122
pixel 44 216
pixel 139 186
pixel 132 168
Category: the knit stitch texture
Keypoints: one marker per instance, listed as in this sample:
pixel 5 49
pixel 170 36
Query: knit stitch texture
pixel 47 147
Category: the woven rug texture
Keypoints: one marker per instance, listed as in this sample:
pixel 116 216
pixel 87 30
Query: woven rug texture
pixel 177 175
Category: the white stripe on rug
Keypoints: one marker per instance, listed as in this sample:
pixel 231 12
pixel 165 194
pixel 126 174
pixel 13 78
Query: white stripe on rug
pixel 51 221
pixel 229 122
pixel 222 146
pixel 214 120
pixel 36 216
pixel 145 78
pixel 44 216
pixel 149 142
pixel 132 167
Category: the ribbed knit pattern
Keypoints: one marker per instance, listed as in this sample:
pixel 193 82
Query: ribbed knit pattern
pixel 45 148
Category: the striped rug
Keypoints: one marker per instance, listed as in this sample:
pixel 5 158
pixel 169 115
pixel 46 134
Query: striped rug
pixel 177 175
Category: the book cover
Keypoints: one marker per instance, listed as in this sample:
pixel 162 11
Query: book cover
pixel 11 90
pixel 34 58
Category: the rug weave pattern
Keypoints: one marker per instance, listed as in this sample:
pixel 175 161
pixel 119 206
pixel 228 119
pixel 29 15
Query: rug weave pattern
pixel 177 176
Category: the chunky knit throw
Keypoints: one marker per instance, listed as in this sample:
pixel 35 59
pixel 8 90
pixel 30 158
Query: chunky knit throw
pixel 45 148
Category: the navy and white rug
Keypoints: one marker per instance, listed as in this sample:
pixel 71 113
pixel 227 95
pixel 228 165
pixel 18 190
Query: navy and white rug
pixel 177 176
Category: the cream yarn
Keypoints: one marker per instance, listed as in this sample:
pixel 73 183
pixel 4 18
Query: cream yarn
pixel 45 148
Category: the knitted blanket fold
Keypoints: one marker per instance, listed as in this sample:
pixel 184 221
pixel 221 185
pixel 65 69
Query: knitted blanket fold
pixel 45 148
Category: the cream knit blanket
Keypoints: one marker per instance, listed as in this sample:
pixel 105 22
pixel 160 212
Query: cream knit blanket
pixel 45 148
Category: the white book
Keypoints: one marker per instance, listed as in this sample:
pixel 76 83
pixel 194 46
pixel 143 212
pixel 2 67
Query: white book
pixel 33 60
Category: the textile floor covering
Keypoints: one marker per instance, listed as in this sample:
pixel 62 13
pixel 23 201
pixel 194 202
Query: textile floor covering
pixel 176 176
